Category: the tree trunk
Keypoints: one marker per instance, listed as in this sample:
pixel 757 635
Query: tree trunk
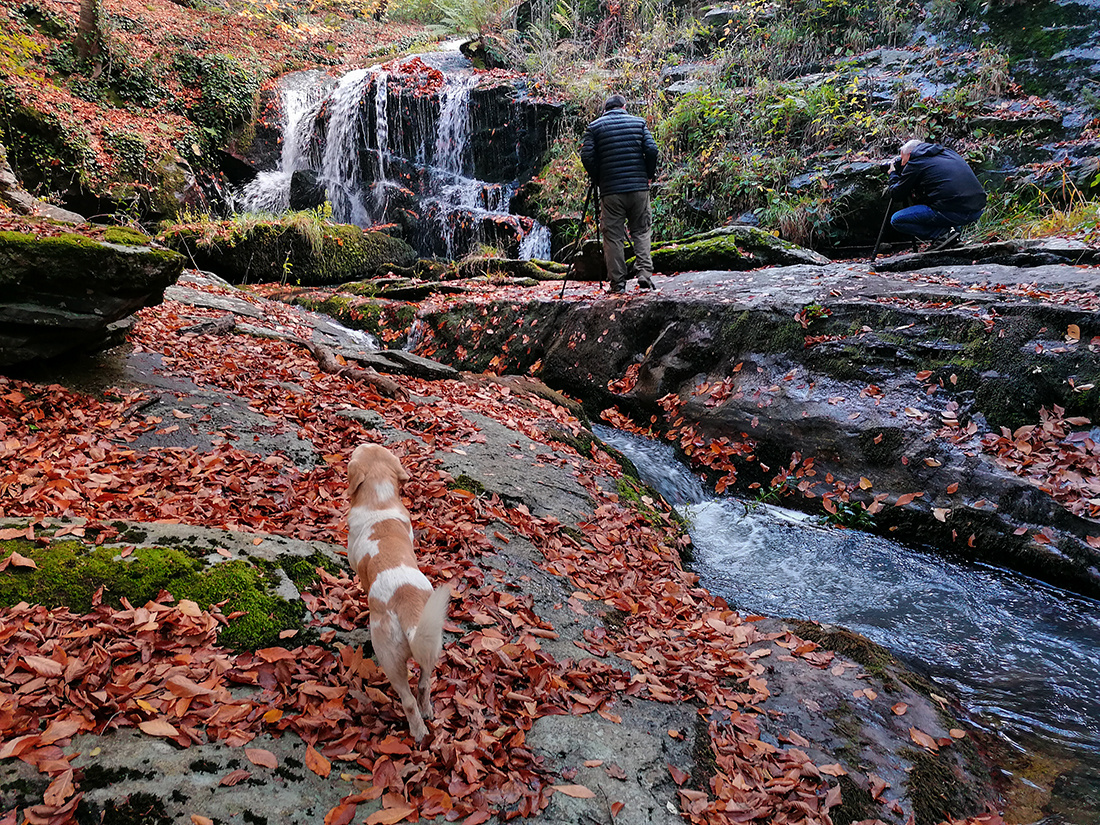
pixel 89 37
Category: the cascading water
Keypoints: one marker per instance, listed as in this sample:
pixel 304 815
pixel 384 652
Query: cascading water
pixel 386 153
pixel 1023 656
pixel 300 96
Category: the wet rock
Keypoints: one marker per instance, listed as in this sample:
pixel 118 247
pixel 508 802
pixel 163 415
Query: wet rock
pixel 306 190
pixel 849 398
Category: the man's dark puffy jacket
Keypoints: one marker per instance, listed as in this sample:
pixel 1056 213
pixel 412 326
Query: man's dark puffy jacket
pixel 619 153
pixel 940 178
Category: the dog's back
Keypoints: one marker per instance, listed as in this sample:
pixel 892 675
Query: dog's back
pixel 406 615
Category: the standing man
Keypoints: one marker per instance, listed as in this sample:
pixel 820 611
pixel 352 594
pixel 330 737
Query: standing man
pixel 620 156
pixel 949 193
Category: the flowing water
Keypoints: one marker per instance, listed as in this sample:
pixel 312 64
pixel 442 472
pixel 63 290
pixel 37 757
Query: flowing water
pixel 373 144
pixel 1023 657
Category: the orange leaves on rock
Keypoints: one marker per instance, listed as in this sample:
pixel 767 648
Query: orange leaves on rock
pixel 575 791
pixel 899 708
pixel 923 739
pixel 317 763
pixel 389 816
pixel 158 727
pixel 275 654
pixel 678 776
pixel 234 777
pixel 261 757
pixel 43 666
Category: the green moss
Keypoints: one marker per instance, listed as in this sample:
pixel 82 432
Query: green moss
pixel 303 570
pixel 856 803
pixel 465 482
pixel 83 262
pixel 126 237
pixel 69 573
pixel 881 446
pixel 938 790
pixel 301 251
pixel 753 331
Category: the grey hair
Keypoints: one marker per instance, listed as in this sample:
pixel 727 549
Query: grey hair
pixel 614 102
pixel 909 145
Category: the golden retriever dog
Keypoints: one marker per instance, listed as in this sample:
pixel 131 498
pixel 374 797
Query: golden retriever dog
pixel 406 614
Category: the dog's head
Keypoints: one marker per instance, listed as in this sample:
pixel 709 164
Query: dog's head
pixel 372 465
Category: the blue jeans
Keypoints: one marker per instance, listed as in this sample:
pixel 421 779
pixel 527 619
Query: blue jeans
pixel 928 223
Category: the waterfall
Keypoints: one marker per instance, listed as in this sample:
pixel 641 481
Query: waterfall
pixel 269 191
pixel 340 167
pixel 403 158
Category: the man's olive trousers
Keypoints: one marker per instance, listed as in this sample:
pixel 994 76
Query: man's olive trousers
pixel 618 213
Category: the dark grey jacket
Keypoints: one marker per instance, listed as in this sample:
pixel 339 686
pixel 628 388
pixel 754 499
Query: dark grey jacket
pixel 619 153
pixel 940 178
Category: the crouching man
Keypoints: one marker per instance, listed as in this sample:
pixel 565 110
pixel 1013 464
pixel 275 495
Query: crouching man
pixel 949 194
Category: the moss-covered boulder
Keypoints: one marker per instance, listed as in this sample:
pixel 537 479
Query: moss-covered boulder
pixel 302 254
pixel 67 292
pixel 730 248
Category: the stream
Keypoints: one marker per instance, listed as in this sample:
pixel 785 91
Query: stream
pixel 1023 657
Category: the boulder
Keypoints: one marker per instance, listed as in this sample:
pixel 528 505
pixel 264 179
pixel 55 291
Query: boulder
pixel 277 251
pixel 22 202
pixel 67 292
pixel 306 191
pixel 731 248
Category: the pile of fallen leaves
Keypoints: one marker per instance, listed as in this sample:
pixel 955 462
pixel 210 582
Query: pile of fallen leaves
pixel 158 667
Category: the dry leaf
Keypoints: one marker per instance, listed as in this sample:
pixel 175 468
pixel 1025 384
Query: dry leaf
pixel 262 758
pixel 575 791
pixel 317 763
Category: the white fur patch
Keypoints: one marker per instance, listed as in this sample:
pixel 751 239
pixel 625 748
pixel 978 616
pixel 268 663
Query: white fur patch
pixel 387 582
pixel 384 490
pixel 361 522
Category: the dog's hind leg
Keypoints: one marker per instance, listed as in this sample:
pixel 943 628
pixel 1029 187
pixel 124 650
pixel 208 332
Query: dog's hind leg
pixel 393 658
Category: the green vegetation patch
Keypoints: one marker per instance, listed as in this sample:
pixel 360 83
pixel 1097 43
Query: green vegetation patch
pixel 300 248
pixel 938 789
pixel 69 573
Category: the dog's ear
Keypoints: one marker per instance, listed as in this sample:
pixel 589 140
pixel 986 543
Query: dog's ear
pixel 402 474
pixel 355 476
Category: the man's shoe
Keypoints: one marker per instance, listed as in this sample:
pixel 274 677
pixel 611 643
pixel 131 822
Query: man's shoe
pixel 617 290
pixel 946 242
pixel 645 282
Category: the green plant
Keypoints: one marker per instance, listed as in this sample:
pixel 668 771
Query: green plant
pixel 847 514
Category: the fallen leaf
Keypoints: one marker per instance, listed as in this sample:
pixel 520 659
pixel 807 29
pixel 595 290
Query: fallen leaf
pixel 262 758
pixel 158 727
pixel 575 791
pixel 923 739
pixel 317 763
pixel 234 777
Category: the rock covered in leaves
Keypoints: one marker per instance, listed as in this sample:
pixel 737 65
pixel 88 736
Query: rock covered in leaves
pixel 731 248
pixel 66 291
pixel 266 251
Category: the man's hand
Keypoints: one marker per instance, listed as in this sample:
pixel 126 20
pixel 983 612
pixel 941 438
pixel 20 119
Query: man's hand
pixel 890 168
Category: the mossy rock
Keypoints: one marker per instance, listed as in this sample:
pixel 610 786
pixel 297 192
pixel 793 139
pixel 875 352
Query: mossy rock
pixel 70 572
pixel 731 248
pixel 31 266
pixel 278 251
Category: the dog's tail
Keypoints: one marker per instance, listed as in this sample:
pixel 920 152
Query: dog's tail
pixel 427 644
